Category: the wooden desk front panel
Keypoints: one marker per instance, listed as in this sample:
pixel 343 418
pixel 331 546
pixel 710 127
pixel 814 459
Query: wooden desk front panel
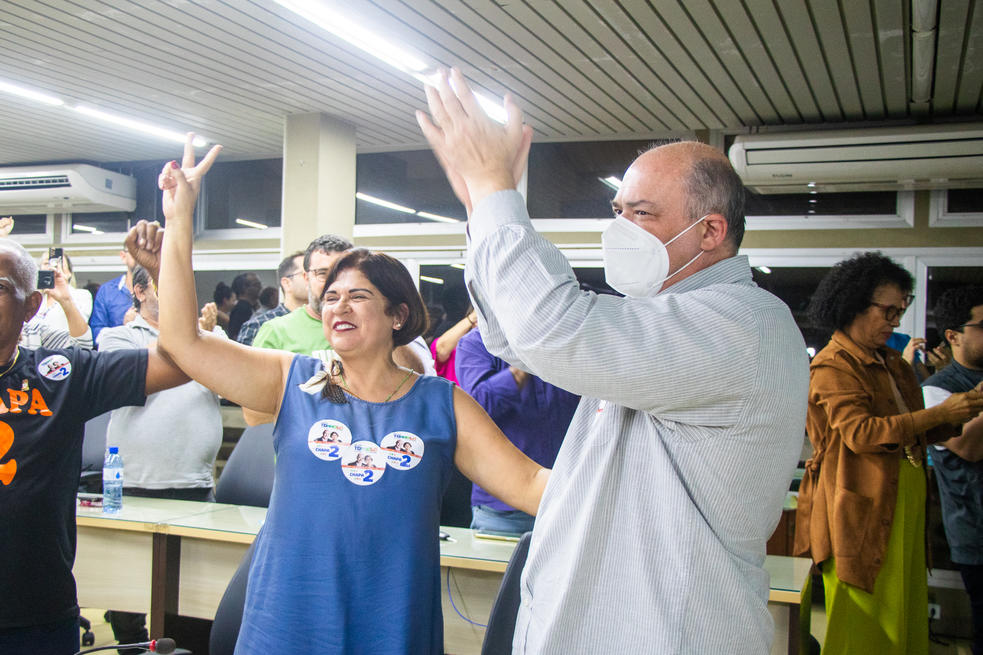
pixel 113 569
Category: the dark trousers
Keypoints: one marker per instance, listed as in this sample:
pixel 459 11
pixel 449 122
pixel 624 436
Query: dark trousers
pixel 131 627
pixel 973 579
pixel 61 638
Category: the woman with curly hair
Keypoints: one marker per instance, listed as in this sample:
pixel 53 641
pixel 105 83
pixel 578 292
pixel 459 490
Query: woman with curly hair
pixel 861 510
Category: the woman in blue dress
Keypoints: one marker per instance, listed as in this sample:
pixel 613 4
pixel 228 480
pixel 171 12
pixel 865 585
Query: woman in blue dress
pixel 348 559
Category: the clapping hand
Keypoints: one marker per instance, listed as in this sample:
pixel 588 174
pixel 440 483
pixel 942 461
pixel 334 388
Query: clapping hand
pixel 209 314
pixel 6 225
pixel 478 155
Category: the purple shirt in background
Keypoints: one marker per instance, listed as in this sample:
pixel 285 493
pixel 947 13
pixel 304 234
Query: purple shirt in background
pixel 535 419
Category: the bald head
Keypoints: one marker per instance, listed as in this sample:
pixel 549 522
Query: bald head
pixel 709 182
pixel 22 270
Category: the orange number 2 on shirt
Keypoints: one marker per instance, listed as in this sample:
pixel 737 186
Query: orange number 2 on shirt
pixel 7 469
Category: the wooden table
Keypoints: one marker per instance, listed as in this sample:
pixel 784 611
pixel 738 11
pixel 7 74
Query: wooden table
pixel 176 557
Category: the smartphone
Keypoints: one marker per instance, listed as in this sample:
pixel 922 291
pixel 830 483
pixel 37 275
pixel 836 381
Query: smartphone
pixel 54 258
pixel 46 279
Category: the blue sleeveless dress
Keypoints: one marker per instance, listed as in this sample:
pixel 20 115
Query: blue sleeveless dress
pixel 348 560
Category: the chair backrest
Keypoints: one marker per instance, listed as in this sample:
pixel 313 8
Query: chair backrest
pixel 228 616
pixel 501 622
pixel 247 478
pixel 94 442
pixel 455 506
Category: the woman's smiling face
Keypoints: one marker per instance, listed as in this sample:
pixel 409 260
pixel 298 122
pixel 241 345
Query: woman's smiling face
pixel 355 315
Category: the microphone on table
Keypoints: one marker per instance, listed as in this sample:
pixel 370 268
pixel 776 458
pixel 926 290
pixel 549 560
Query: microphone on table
pixel 164 646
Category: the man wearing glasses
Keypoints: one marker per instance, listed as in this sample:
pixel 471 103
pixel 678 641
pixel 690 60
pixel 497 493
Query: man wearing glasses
pixel 959 461
pixel 301 330
pixel 293 285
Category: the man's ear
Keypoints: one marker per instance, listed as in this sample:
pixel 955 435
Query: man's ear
pixel 714 232
pixel 32 304
pixel 951 336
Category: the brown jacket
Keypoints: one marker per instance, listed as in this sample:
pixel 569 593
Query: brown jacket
pixel 857 430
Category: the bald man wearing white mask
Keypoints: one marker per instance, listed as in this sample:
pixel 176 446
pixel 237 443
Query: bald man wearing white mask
pixel 674 470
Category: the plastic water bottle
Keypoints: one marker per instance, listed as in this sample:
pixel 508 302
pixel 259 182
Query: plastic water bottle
pixel 112 482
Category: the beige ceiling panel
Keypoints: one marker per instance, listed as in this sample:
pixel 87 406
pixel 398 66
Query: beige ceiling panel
pixel 971 71
pixel 863 46
pixel 953 22
pixel 624 95
pixel 839 60
pixel 892 45
pixel 777 41
pixel 541 45
pixel 653 91
pixel 714 51
pixel 475 46
pixel 752 50
pixel 315 79
pixel 795 15
pixel 676 64
pixel 645 47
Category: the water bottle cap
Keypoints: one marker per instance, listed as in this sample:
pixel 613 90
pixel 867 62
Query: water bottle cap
pixel 113 450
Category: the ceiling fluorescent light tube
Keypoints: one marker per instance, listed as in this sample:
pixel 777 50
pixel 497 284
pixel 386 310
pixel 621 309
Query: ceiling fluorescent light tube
pixel 384 203
pixel 248 223
pixel 139 126
pixel 438 217
pixel 434 280
pixel 37 96
pixel 85 228
pixel 458 266
pixel 356 35
pixel 764 269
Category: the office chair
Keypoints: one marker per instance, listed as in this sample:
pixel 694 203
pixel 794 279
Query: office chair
pixel 247 478
pixel 455 506
pixel 501 622
pixel 228 616
pixel 94 453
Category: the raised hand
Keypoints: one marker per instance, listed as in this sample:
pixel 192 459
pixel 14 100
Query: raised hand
pixel 181 182
pixel 143 242
pixel 6 225
pixel 914 344
pixel 479 155
pixel 209 314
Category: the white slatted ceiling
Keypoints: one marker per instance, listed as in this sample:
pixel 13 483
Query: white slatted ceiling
pixel 233 69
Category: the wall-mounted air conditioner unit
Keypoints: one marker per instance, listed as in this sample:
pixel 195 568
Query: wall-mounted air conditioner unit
pixel 876 159
pixel 63 188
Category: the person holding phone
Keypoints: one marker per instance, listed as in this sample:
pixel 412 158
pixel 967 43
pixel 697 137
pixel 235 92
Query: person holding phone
pixel 62 319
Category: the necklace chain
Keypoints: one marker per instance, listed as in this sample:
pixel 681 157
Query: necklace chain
pixel 14 363
pixel 344 383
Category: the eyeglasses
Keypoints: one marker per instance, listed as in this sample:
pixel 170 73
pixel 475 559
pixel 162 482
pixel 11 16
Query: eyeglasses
pixel 892 312
pixel 975 325
pixel 320 273
pixel 293 275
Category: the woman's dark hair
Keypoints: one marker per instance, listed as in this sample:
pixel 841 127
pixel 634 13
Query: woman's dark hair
pixel 848 288
pixel 222 291
pixel 394 282
pixel 955 308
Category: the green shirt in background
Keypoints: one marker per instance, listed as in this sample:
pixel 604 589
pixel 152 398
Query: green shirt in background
pixel 295 332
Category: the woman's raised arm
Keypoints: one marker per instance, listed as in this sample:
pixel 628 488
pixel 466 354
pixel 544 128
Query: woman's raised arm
pixel 251 377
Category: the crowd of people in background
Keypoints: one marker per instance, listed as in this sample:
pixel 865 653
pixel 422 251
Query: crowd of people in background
pixel 677 401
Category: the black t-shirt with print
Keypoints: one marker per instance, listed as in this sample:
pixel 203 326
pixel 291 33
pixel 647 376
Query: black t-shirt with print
pixel 45 401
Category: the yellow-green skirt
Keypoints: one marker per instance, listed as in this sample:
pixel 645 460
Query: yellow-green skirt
pixel 894 619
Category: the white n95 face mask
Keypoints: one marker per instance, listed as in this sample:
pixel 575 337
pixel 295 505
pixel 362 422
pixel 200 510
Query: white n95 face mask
pixel 636 262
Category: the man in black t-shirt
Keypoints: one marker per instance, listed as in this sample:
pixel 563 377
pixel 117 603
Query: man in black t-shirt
pixel 45 398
